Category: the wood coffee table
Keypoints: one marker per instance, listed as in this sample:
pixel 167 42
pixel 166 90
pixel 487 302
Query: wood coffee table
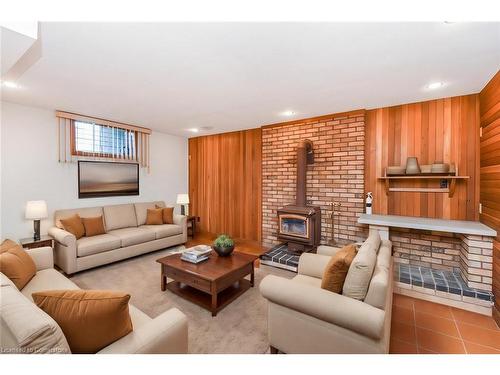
pixel 212 284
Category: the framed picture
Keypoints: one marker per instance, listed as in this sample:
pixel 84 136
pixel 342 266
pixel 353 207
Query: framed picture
pixel 107 179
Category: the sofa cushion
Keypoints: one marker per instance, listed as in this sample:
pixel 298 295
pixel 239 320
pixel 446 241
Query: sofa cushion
pixel 119 216
pixel 4 280
pixel 164 230
pixel 93 226
pixel 373 241
pixel 141 210
pixel 138 317
pixel 336 270
pixel 16 264
pixel 377 291
pixel 133 236
pixel 361 269
pixel 96 244
pixel 82 212
pixel 154 216
pixel 48 279
pixel 26 328
pixel 74 225
pixel 90 319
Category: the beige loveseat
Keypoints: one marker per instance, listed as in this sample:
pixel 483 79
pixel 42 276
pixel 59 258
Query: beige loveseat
pixel 303 318
pixel 25 328
pixel 126 235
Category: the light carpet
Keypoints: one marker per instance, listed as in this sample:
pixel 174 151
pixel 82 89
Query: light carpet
pixel 241 327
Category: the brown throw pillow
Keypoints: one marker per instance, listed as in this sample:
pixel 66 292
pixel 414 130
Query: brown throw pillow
pixel 89 319
pixel 93 226
pixel 168 215
pixel 74 225
pixel 337 268
pixel 16 264
pixel 154 216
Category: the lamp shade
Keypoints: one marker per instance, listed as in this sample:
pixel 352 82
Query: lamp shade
pixel 36 210
pixel 182 198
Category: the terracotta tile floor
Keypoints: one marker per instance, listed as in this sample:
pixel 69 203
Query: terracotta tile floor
pixel 418 326
pixel 424 327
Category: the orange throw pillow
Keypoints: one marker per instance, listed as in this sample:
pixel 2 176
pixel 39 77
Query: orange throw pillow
pixel 89 319
pixel 154 216
pixel 336 270
pixel 74 225
pixel 16 264
pixel 93 226
pixel 168 215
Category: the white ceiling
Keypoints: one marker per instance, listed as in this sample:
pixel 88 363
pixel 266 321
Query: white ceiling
pixel 231 76
pixel 13 45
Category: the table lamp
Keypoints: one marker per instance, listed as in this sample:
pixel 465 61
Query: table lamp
pixel 183 200
pixel 36 210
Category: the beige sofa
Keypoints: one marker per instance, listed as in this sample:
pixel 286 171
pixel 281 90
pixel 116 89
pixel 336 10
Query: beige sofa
pixel 25 328
pixel 127 235
pixel 303 318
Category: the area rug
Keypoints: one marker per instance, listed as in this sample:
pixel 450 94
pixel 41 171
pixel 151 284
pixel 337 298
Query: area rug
pixel 241 327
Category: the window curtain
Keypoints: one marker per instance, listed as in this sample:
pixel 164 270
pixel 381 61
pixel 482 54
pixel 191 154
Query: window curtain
pixel 108 140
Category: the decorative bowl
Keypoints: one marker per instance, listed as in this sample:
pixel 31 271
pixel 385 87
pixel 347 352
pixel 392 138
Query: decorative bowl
pixel 438 167
pixel 223 251
pixel 412 166
pixel 394 170
pixel 426 168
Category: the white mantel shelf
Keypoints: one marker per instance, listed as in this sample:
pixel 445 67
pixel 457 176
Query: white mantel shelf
pixel 438 225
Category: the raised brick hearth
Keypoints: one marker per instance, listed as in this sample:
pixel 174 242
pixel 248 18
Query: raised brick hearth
pixel 336 175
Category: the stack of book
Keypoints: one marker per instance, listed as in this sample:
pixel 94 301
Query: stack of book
pixel 196 254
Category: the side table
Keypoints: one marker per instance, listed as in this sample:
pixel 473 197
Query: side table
pixel 30 243
pixel 192 228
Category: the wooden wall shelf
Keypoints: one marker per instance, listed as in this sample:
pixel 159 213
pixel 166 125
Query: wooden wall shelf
pixel 452 181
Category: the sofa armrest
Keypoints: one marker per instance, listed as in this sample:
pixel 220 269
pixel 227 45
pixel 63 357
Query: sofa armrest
pixel 313 264
pixel 42 256
pixel 167 333
pixel 64 250
pixel 327 306
pixel 63 237
pixel 182 221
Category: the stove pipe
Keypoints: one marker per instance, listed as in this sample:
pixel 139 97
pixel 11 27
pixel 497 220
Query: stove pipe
pixel 305 156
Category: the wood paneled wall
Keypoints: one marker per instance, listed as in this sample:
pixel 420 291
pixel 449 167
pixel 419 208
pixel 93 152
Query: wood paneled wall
pixel 490 174
pixel 225 183
pixel 437 130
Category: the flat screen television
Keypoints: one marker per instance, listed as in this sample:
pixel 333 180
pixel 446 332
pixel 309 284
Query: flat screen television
pixel 107 179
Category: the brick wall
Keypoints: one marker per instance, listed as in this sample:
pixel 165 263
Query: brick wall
pixel 337 174
pixel 426 248
pixel 467 254
pixel 477 261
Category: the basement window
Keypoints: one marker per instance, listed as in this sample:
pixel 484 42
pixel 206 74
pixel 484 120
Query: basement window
pixel 90 139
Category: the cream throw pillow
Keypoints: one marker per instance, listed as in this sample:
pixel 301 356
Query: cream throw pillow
pixel 26 328
pixel 360 272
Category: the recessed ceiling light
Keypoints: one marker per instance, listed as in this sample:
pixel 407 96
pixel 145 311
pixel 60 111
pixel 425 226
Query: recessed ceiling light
pixel 288 113
pixel 435 85
pixel 193 130
pixel 10 84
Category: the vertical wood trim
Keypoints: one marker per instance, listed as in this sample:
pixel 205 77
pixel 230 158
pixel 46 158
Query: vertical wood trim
pixel 489 106
pixel 225 183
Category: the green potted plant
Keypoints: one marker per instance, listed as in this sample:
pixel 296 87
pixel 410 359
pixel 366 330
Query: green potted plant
pixel 223 245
